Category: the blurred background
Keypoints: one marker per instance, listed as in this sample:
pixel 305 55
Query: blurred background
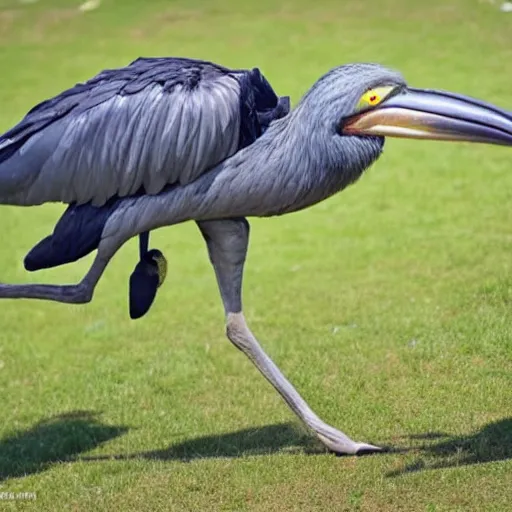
pixel 388 305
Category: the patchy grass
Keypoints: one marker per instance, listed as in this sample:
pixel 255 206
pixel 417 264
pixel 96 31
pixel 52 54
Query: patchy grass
pixel 387 305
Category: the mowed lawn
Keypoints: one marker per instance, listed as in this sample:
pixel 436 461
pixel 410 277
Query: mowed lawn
pixel 388 306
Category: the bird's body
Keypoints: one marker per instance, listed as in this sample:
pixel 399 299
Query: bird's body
pixel 154 169
pixel 168 140
pixel 157 124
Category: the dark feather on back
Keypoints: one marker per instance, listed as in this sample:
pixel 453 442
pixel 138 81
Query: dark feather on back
pixel 79 230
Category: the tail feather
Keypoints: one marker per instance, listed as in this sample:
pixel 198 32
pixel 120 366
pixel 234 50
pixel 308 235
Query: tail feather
pixel 77 233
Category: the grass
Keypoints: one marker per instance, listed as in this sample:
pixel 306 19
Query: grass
pixel 389 305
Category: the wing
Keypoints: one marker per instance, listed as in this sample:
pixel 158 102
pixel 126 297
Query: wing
pixel 137 129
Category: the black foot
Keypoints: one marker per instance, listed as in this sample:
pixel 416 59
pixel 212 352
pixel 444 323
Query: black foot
pixel 145 280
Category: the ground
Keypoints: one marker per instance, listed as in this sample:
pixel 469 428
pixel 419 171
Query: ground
pixel 389 305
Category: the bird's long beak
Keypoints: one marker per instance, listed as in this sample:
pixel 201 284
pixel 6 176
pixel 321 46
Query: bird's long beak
pixel 424 114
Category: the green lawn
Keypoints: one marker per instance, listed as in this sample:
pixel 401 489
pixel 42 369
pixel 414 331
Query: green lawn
pixel 389 305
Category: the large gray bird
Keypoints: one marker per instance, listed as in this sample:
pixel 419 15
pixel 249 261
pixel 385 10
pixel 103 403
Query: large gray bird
pixel 168 140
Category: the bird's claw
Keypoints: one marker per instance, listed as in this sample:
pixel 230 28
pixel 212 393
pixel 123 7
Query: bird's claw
pixel 345 446
pixel 368 449
pixel 361 449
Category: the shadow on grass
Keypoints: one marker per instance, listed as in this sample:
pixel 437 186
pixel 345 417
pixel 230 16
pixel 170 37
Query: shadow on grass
pixel 492 443
pixel 437 449
pixel 57 439
pixel 253 441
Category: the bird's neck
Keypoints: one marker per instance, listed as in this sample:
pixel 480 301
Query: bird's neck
pixel 292 166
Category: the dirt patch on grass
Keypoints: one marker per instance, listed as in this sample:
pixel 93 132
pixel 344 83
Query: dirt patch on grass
pixel 164 19
pixel 27 26
pixel 7 19
pixel 51 19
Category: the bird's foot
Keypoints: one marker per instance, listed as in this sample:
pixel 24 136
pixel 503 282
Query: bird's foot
pixel 148 276
pixel 341 445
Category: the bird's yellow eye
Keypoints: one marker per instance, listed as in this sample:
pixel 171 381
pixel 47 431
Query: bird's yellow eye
pixel 373 97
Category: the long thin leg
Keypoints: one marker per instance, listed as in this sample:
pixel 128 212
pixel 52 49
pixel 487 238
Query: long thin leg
pixel 73 293
pixel 227 242
pixel 143 243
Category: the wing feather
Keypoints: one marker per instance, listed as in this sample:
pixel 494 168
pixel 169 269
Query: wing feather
pixel 154 123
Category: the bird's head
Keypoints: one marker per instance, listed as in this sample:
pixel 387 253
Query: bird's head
pixel 369 100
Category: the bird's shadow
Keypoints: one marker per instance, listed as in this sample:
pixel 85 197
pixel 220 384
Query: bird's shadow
pixel 434 450
pixel 52 440
pixel 439 450
pixel 66 437
pixel 283 438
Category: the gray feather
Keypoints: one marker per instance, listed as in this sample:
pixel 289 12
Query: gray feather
pixel 152 138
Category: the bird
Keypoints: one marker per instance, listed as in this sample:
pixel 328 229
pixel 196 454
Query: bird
pixel 168 140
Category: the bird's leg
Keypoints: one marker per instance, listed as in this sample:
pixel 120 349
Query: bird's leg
pixel 143 244
pixel 73 293
pixel 227 242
